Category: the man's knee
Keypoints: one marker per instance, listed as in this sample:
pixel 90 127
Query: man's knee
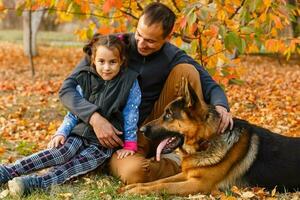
pixel 184 70
pixel 132 169
pixel 189 72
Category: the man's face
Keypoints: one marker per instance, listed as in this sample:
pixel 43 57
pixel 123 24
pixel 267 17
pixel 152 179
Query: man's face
pixel 149 39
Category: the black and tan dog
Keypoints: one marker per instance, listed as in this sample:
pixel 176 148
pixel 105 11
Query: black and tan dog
pixel 246 156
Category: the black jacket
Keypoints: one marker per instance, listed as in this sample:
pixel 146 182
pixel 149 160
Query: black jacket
pixel 109 97
pixel 153 71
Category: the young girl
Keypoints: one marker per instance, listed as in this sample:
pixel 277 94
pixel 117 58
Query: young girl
pixel 75 148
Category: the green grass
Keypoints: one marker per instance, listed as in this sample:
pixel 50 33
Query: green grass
pixel 91 187
pixel 43 37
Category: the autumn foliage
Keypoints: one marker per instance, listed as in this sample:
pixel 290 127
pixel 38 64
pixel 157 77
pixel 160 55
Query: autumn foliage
pixel 213 32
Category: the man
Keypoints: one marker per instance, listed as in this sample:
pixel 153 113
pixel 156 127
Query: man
pixel 161 67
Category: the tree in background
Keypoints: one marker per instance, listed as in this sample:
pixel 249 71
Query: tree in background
pixel 210 31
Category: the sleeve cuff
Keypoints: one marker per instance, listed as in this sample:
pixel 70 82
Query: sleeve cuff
pixel 130 145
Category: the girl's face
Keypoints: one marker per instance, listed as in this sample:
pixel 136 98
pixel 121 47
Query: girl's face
pixel 108 62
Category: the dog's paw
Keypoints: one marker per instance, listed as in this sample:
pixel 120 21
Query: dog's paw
pixel 134 190
pixel 121 190
pixel 126 188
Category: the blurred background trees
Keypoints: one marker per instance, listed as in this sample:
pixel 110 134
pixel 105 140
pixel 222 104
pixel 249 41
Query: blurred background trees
pixel 213 32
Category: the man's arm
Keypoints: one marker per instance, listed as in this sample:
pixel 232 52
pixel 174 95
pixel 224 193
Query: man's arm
pixel 71 98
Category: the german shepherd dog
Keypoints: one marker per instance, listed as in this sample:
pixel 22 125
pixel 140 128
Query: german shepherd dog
pixel 247 155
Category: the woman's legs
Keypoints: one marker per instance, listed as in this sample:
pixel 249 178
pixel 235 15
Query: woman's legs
pixel 138 168
pixel 41 160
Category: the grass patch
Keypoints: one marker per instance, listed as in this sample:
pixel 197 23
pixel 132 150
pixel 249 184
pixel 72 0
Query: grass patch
pixel 90 187
pixel 25 148
pixel 50 38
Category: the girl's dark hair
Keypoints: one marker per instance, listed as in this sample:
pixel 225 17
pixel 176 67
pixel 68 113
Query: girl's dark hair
pixel 109 41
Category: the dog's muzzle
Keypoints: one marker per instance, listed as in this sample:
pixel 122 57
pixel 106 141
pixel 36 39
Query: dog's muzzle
pixel 168 140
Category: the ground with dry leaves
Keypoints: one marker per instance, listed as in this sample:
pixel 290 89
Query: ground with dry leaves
pixel 30 112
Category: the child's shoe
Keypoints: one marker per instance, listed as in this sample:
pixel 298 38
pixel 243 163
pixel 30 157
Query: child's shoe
pixel 20 186
pixel 4 175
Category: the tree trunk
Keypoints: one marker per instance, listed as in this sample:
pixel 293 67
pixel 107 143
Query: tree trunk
pixel 36 18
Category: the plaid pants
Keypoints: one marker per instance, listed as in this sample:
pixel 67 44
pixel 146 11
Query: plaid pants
pixel 71 159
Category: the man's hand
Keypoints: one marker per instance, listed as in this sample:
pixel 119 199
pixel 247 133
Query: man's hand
pixel 56 141
pixel 226 119
pixel 106 133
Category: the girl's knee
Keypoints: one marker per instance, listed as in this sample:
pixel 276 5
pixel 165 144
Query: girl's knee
pixel 69 148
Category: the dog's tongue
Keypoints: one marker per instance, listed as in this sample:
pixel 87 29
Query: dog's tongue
pixel 160 147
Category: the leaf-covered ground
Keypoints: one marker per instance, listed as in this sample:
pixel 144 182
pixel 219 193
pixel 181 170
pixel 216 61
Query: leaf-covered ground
pixel 30 112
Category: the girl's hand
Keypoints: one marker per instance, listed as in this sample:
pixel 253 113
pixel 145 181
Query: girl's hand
pixel 56 141
pixel 123 153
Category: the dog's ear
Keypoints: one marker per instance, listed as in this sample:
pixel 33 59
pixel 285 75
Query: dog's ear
pixel 188 93
pixel 191 99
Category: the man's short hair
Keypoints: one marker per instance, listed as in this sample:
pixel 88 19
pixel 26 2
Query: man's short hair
pixel 160 13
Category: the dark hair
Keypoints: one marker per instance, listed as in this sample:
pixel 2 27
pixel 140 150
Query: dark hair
pixel 160 13
pixel 109 41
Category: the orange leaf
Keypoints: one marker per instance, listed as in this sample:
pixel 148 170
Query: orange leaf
pixel 84 7
pixel 96 2
pixel 214 30
pixel 108 5
pixel 2 150
pixel 277 22
pixel 78 2
pixel 104 30
pixel 118 3
pixel 183 22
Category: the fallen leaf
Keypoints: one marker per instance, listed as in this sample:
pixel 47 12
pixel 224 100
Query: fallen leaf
pixel 4 194
pixel 247 195
pixel 2 150
pixel 273 192
pixel 66 196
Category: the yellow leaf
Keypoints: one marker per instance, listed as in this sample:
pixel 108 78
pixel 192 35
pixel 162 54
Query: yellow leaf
pixel 236 2
pixel 274 32
pixel 221 15
pixel 218 46
pixel 267 3
pixel 223 197
pixel 96 1
pixel 253 48
pixel 262 17
pixel 177 41
pixel 273 192
pixel 66 196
